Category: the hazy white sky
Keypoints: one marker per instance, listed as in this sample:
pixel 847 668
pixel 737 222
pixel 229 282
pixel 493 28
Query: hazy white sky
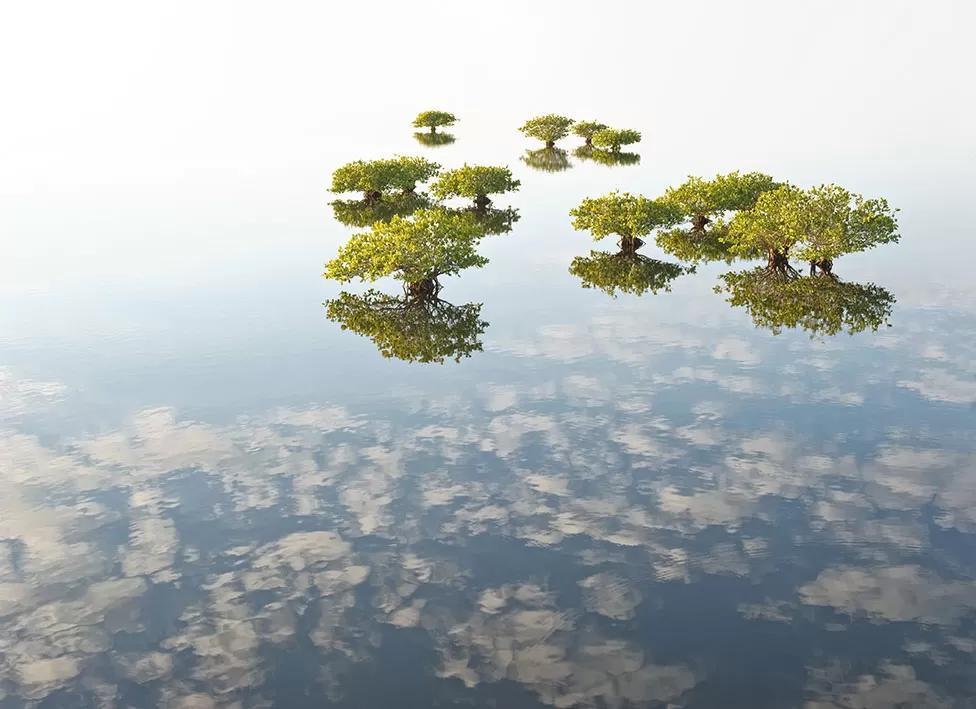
pixel 127 107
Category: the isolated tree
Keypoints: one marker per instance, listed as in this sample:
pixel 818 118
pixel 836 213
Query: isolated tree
pixel 359 213
pixel 475 182
pixel 433 140
pixel 821 306
pixel 548 128
pixel 417 250
pixel 702 201
pixel 627 216
pixel 613 138
pixel 412 329
pixel 626 272
pixel 433 120
pixel 547 159
pixel 375 177
pixel 586 129
pixel 606 157
pixel 816 225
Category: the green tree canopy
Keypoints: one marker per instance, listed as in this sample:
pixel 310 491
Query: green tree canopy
pixel 374 177
pixel 625 215
pixel 432 139
pixel 626 272
pixel 475 182
pixel 821 305
pixel 547 159
pixel 417 249
pixel 613 138
pixel 702 201
pixel 361 213
pixel 815 225
pixel 606 157
pixel 411 329
pixel 548 128
pixel 433 120
pixel 586 129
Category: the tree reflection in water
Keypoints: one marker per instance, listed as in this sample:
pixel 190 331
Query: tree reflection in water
pixel 547 159
pixel 361 213
pixel 414 329
pixel 821 304
pixel 433 140
pixel 606 157
pixel 625 271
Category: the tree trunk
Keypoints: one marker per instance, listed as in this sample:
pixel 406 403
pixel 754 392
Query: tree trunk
pixel 481 202
pixel 699 223
pixel 630 244
pixel 778 261
pixel 589 141
pixel 422 289
pixel 550 143
pixel 372 196
pixel 433 129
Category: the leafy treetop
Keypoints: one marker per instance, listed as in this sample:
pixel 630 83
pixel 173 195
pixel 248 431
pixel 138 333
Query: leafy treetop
pixel 815 225
pixel 418 249
pixel 548 128
pixel 373 177
pixel 626 215
pixel 586 129
pixel 475 182
pixel 625 272
pixel 411 329
pixel 613 138
pixel 703 200
pixel 433 119
pixel 819 305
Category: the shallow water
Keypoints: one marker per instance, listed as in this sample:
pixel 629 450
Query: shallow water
pixel 212 495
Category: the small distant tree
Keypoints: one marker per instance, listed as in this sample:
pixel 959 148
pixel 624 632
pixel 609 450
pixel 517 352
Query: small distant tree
pixel 626 272
pixel 586 129
pixel 475 182
pixel 816 225
pixel 374 177
pixel 433 120
pixel 548 128
pixel 821 306
pixel 627 216
pixel 703 201
pixel 426 330
pixel 416 250
pixel 547 159
pixel 612 138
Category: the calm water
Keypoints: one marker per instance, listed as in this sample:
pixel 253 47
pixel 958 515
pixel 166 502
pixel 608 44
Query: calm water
pixel 213 496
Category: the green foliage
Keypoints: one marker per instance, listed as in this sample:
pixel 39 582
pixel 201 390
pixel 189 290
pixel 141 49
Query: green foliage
pixel 431 243
pixel 606 157
pixel 493 221
pixel 548 128
pixel 724 193
pixel 433 140
pixel 474 182
pixel 411 329
pixel 818 224
pixel 626 272
pixel 373 177
pixel 613 138
pixel 821 305
pixel 586 129
pixel 361 213
pixel 696 247
pixel 434 119
pixel 626 215
pixel 547 159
